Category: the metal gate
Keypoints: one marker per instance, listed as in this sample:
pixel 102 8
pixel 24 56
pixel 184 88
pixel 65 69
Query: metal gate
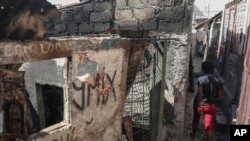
pixel 144 89
pixel 244 104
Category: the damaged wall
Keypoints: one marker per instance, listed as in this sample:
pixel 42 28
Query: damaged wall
pixel 164 19
pixel 93 87
pixel 89 17
pixel 26 19
pixel 96 111
pixel 89 108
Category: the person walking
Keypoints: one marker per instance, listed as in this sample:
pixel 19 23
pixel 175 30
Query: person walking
pixel 196 114
pixel 200 49
pixel 209 88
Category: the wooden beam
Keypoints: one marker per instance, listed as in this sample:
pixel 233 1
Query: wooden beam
pixel 29 51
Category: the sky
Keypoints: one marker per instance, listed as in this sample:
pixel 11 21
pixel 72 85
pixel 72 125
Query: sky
pixel 211 7
pixel 205 5
pixel 62 2
pixel 208 7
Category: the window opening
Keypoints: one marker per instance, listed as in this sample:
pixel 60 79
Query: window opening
pixel 50 104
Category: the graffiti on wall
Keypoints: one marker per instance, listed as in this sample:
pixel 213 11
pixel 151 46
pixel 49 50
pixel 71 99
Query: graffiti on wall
pixel 108 44
pixel 19 52
pixel 94 82
pixel 70 137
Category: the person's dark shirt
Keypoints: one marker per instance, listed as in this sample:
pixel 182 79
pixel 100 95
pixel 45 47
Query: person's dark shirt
pixel 211 85
pixel 196 76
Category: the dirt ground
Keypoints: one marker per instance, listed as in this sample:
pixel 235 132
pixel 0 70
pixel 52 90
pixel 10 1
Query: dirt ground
pixel 221 127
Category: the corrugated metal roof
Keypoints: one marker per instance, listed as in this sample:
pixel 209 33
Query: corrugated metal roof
pixel 209 21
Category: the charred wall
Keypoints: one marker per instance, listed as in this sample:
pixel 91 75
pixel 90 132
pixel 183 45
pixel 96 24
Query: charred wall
pixel 94 17
pixel 162 19
pixel 93 88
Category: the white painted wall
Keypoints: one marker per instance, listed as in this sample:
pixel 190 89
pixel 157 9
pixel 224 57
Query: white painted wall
pixel 63 2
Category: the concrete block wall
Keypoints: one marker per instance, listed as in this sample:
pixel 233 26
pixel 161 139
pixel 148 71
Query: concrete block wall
pixel 176 79
pixel 89 17
pixel 93 108
pixel 164 19
pixel 93 17
pixel 157 15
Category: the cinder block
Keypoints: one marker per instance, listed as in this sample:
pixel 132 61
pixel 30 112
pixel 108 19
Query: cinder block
pixel 171 13
pixel 72 27
pixel 123 15
pixel 77 17
pixel 169 3
pixel 60 27
pixel 84 16
pixel 148 25
pixel 88 7
pixel 167 26
pixel 101 27
pixel 120 4
pixel 126 25
pixel 86 27
pixel 101 6
pixel 101 16
pixel 77 9
pixel 141 3
pixel 67 16
pixel 144 13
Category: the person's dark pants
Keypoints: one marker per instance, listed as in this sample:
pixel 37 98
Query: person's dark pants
pixel 196 119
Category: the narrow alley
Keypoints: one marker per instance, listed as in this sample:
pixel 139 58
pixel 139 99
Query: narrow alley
pixel 121 70
pixel 221 126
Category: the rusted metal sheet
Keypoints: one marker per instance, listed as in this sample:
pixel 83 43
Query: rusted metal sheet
pixel 13 104
pixel 234 23
pixel 27 51
pixel 127 125
pixel 243 116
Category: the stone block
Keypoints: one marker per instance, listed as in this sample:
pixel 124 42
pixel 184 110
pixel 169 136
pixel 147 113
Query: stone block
pixel 60 27
pixel 86 27
pixel 187 20
pixel 121 4
pixel 169 3
pixel 141 3
pixel 88 7
pixel 126 25
pixel 152 2
pixel 148 25
pixel 102 6
pixel 77 9
pixel 171 13
pixel 84 16
pixel 101 27
pixel 101 16
pixel 77 17
pixel 123 15
pixel 144 14
pixel 66 16
pixel 167 26
pixel 72 27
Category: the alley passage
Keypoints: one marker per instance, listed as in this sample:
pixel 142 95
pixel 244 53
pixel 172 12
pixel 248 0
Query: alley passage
pixel 221 127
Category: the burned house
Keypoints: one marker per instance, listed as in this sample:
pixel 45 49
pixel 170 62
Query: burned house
pixel 103 66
